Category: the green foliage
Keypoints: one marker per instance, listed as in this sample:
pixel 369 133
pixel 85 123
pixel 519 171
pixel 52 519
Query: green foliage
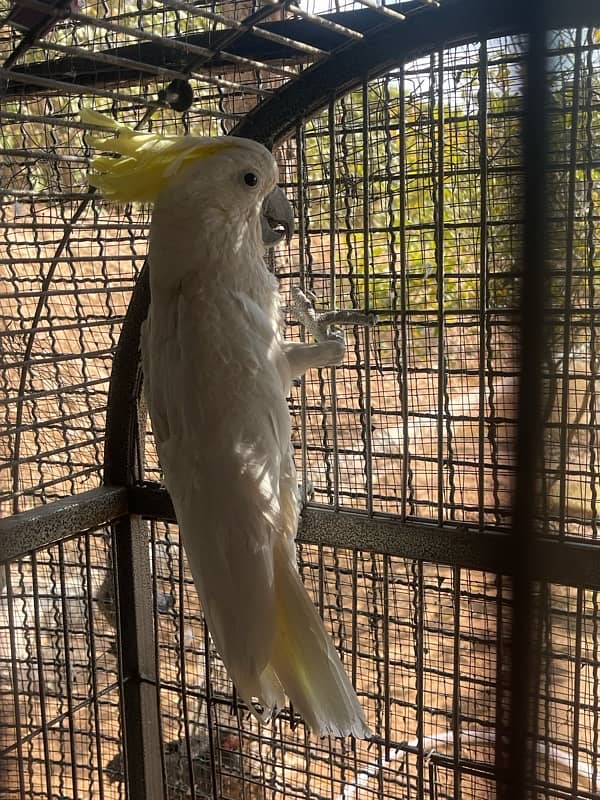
pixel 427 202
pixel 424 203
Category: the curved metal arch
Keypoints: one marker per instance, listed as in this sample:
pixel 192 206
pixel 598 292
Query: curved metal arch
pixel 456 22
pixel 125 389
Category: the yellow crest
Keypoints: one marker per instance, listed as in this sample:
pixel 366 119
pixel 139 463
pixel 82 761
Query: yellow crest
pixel 147 160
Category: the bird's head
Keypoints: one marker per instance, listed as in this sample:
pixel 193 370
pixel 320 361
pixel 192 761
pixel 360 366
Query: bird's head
pixel 238 181
pixel 232 177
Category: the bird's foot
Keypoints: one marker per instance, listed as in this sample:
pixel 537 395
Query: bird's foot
pixel 326 325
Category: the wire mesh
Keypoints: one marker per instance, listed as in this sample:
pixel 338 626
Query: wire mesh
pixel 423 419
pixel 570 480
pixel 409 200
pixel 421 642
pixel 409 194
pixel 429 650
pixel 59 671
pixel 69 263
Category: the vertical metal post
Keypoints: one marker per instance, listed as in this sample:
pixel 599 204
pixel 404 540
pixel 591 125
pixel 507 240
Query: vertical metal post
pixel 366 253
pixel 482 123
pixel 437 122
pixel 456 684
pixel 300 188
pixel 568 287
pixel 529 439
pixel 11 708
pixel 419 621
pixel 331 134
pixel 141 730
pixel 591 202
pixel 141 741
pixel 405 494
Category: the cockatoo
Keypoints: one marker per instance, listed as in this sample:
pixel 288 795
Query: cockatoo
pixel 217 373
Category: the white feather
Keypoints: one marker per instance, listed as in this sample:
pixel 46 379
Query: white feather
pixel 216 381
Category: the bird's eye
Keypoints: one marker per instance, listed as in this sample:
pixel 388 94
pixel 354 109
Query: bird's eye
pixel 250 179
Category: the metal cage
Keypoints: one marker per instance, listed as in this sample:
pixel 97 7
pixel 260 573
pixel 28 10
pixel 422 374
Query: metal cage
pixel 443 158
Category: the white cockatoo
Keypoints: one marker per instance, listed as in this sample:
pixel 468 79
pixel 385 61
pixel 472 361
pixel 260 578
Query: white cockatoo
pixel 217 373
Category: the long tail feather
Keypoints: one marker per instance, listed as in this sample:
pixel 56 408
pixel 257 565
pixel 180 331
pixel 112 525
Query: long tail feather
pixel 307 663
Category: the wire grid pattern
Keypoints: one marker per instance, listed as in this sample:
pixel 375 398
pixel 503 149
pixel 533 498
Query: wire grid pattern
pixel 422 644
pixel 429 651
pixel 59 675
pixel 418 422
pixel 428 648
pixel 69 263
pixel 570 491
pixel 410 195
pixel 69 266
pixel 568 707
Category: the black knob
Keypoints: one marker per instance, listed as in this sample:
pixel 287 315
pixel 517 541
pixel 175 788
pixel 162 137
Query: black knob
pixel 178 94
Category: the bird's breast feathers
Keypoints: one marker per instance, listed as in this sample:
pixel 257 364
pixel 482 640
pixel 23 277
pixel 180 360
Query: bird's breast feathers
pixel 214 369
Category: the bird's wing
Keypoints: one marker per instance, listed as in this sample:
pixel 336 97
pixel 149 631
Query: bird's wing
pixel 153 391
pixel 215 393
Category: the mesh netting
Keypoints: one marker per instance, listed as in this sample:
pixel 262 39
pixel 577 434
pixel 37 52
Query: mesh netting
pixel 408 194
pixel 59 676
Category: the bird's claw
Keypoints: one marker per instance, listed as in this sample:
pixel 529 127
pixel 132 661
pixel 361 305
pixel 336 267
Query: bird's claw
pixel 335 334
pixel 335 342
pixel 347 317
pixel 325 326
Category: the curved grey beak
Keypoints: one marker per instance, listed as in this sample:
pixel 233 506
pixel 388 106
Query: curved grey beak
pixel 277 219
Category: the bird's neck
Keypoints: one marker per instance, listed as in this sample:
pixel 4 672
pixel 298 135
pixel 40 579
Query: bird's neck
pixel 209 252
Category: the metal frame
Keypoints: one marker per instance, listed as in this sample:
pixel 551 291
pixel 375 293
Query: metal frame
pixel 287 40
pixel 526 628
pixel 142 745
pixel 571 561
pixel 46 525
pixel 453 23
pixel 271 122
pixel 521 554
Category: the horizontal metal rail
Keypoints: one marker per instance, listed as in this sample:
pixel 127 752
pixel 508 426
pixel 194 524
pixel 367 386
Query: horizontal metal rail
pixel 55 522
pixel 570 561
